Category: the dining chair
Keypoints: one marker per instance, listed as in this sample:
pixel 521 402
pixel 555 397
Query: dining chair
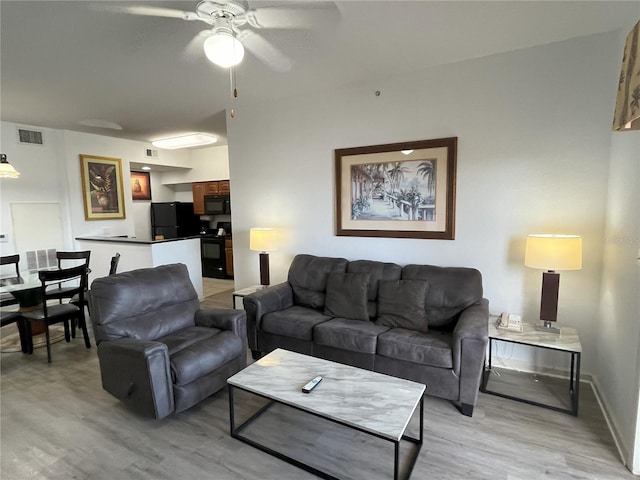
pixel 85 303
pixel 63 259
pixel 7 298
pixel 114 263
pixel 60 312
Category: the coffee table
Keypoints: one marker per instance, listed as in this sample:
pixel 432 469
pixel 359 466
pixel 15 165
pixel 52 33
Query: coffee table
pixel 369 402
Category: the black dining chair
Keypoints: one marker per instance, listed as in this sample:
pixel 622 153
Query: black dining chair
pixel 60 312
pixel 64 258
pixel 114 264
pixel 112 270
pixel 7 298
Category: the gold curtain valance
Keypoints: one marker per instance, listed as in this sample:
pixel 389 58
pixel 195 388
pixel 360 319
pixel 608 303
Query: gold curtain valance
pixel 627 114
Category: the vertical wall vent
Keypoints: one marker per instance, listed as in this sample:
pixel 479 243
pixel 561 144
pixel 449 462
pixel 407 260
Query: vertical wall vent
pixel 150 153
pixel 30 137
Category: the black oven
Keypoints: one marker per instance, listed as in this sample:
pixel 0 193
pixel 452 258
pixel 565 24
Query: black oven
pixel 213 257
pixel 217 205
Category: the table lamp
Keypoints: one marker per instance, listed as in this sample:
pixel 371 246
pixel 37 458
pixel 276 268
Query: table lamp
pixel 551 253
pixel 263 240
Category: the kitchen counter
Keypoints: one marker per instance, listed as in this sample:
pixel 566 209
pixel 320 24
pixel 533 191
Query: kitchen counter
pixel 123 239
pixel 137 253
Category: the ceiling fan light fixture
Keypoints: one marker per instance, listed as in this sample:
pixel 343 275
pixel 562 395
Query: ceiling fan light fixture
pixel 185 141
pixel 224 49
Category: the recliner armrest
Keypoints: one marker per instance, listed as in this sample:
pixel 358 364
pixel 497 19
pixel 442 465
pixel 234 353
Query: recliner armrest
pixel 138 373
pixel 224 319
pixel 270 299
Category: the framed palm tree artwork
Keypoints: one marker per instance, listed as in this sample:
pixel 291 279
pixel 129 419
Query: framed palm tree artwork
pixel 401 190
pixel 102 190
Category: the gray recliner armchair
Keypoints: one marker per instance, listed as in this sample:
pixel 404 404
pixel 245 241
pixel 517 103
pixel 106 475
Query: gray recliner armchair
pixel 158 352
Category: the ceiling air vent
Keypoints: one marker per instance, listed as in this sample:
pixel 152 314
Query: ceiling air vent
pixel 151 153
pixel 31 137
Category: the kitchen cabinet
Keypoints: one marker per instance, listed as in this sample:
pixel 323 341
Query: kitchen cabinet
pixel 200 189
pixel 198 198
pixel 212 188
pixel 228 251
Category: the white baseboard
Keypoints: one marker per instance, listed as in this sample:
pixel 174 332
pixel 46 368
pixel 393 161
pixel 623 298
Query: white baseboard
pixel 520 366
pixel 623 450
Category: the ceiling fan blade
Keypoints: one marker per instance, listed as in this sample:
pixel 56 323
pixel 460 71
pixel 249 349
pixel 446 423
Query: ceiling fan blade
pixel 149 11
pixel 264 51
pixel 302 15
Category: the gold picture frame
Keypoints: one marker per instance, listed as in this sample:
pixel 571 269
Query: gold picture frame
pixel 398 190
pixel 102 190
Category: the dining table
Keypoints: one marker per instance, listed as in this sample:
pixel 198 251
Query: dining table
pixel 27 290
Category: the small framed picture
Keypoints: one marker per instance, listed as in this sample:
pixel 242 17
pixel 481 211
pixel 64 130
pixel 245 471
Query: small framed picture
pixel 140 185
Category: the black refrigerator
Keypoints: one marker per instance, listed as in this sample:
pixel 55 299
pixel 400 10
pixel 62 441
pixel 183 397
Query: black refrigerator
pixel 174 220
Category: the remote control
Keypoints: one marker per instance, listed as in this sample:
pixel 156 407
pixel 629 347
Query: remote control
pixel 312 384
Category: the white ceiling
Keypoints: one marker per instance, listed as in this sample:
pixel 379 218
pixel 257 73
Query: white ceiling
pixel 63 62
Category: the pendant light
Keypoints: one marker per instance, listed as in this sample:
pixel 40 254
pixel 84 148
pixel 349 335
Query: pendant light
pixel 6 170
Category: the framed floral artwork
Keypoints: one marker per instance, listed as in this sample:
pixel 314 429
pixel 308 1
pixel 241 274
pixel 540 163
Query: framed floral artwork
pixel 141 185
pixel 401 190
pixel 102 190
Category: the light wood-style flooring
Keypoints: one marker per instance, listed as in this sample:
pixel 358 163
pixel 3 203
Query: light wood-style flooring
pixel 56 422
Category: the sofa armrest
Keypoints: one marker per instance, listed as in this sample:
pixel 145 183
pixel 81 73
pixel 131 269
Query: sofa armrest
pixel 470 338
pixel 224 319
pixel 138 373
pixel 270 299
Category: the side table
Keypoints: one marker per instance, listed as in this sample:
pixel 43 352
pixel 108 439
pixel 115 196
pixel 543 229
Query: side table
pixel 244 292
pixel 566 341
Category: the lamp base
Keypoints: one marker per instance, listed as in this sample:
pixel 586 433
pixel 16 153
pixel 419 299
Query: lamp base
pixel 546 327
pixel 264 269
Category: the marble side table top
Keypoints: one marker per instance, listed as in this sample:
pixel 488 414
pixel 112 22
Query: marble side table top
pixel 374 402
pixel 567 340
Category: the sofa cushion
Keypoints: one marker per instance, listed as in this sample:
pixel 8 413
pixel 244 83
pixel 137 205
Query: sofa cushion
pixel 308 278
pixel 401 304
pixel 433 348
pixel 348 334
pixel 296 322
pixel 203 356
pixel 377 271
pixel 451 290
pixel 347 296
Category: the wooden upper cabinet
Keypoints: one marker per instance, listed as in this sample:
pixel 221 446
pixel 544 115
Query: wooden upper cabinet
pixel 212 188
pixel 198 197
pixel 200 189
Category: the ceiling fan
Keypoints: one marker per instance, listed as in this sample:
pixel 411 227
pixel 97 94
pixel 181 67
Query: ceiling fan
pixel 234 22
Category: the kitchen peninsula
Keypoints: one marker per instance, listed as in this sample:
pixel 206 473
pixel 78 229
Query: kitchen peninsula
pixel 137 253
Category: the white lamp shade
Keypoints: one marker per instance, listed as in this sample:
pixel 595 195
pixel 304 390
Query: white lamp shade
pixel 7 170
pixel 554 252
pixel 262 240
pixel 224 49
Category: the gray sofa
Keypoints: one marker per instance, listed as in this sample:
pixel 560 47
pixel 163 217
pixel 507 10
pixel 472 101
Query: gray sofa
pixel 158 352
pixel 420 322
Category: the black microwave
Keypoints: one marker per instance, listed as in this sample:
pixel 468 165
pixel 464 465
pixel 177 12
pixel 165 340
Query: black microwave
pixel 217 205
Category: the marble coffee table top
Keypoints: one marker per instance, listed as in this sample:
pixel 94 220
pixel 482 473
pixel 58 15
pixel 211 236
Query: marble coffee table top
pixel 374 402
